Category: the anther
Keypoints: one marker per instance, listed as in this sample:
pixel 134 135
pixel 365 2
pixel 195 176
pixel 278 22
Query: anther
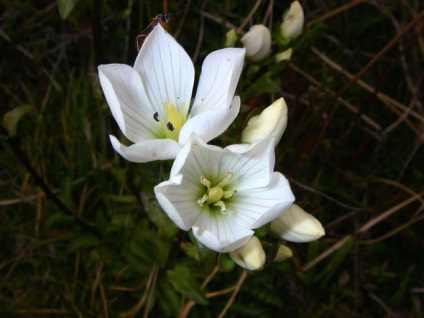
pixel 205 182
pixel 203 199
pixel 170 126
pixel 156 116
pixel 229 194
pixel 222 206
pixel 224 181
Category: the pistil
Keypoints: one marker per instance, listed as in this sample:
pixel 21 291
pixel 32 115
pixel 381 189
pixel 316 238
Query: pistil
pixel 215 195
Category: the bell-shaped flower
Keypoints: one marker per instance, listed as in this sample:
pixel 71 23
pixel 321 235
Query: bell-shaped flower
pixel 250 256
pixel 270 123
pixel 151 101
pixel 257 42
pixel 222 195
pixel 296 225
pixel 293 20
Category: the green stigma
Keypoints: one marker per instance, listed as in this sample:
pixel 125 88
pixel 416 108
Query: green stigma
pixel 216 195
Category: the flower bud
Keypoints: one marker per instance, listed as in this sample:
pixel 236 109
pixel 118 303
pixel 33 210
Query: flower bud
pixel 270 123
pixel 230 38
pixel 295 225
pixel 284 56
pixel 257 42
pixel 250 256
pixel 283 253
pixel 293 19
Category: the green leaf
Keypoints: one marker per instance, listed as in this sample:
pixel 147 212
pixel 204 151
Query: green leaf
pixel 225 262
pixel 65 7
pixel 183 281
pixel 82 241
pixel 11 118
pixel 158 217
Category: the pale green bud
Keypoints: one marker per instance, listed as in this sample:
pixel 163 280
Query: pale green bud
pixel 283 253
pixel 230 38
pixel 284 56
pixel 295 225
pixel 257 42
pixel 250 256
pixel 270 123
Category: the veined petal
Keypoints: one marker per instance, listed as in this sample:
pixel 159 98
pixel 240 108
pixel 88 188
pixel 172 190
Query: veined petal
pixel 210 123
pixel 147 150
pixel 217 232
pixel 218 80
pixel 128 101
pixel 191 156
pixel 178 199
pixel 253 168
pixel 166 71
pixel 265 204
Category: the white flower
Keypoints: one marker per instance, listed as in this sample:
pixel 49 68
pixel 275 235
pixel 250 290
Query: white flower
pixel 222 195
pixel 257 42
pixel 250 256
pixel 293 19
pixel 296 225
pixel 151 101
pixel 270 123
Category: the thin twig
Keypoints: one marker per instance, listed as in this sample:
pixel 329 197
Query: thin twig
pixel 334 12
pixel 185 311
pixel 249 16
pixel 379 55
pixel 242 278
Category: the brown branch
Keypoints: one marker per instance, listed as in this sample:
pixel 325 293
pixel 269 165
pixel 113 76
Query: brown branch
pixel 242 278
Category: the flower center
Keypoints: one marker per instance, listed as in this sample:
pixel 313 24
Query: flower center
pixel 216 195
pixel 173 121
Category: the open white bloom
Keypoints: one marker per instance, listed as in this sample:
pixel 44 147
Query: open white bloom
pixel 250 256
pixel 221 194
pixel 151 101
pixel 296 225
pixel 257 42
pixel 270 123
pixel 293 19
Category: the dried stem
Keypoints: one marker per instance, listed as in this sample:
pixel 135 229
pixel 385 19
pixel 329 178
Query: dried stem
pixel 242 278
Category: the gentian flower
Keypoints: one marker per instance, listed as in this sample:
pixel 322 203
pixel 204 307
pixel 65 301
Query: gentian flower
pixel 151 101
pixel 221 194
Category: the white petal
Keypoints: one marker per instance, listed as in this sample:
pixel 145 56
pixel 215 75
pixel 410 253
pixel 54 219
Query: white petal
pixel 178 199
pixel 147 150
pixel 253 208
pixel 166 70
pixel 190 158
pixel 239 148
pixel 210 123
pixel 128 101
pixel 253 168
pixel 218 80
pixel 274 199
pixel 219 233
